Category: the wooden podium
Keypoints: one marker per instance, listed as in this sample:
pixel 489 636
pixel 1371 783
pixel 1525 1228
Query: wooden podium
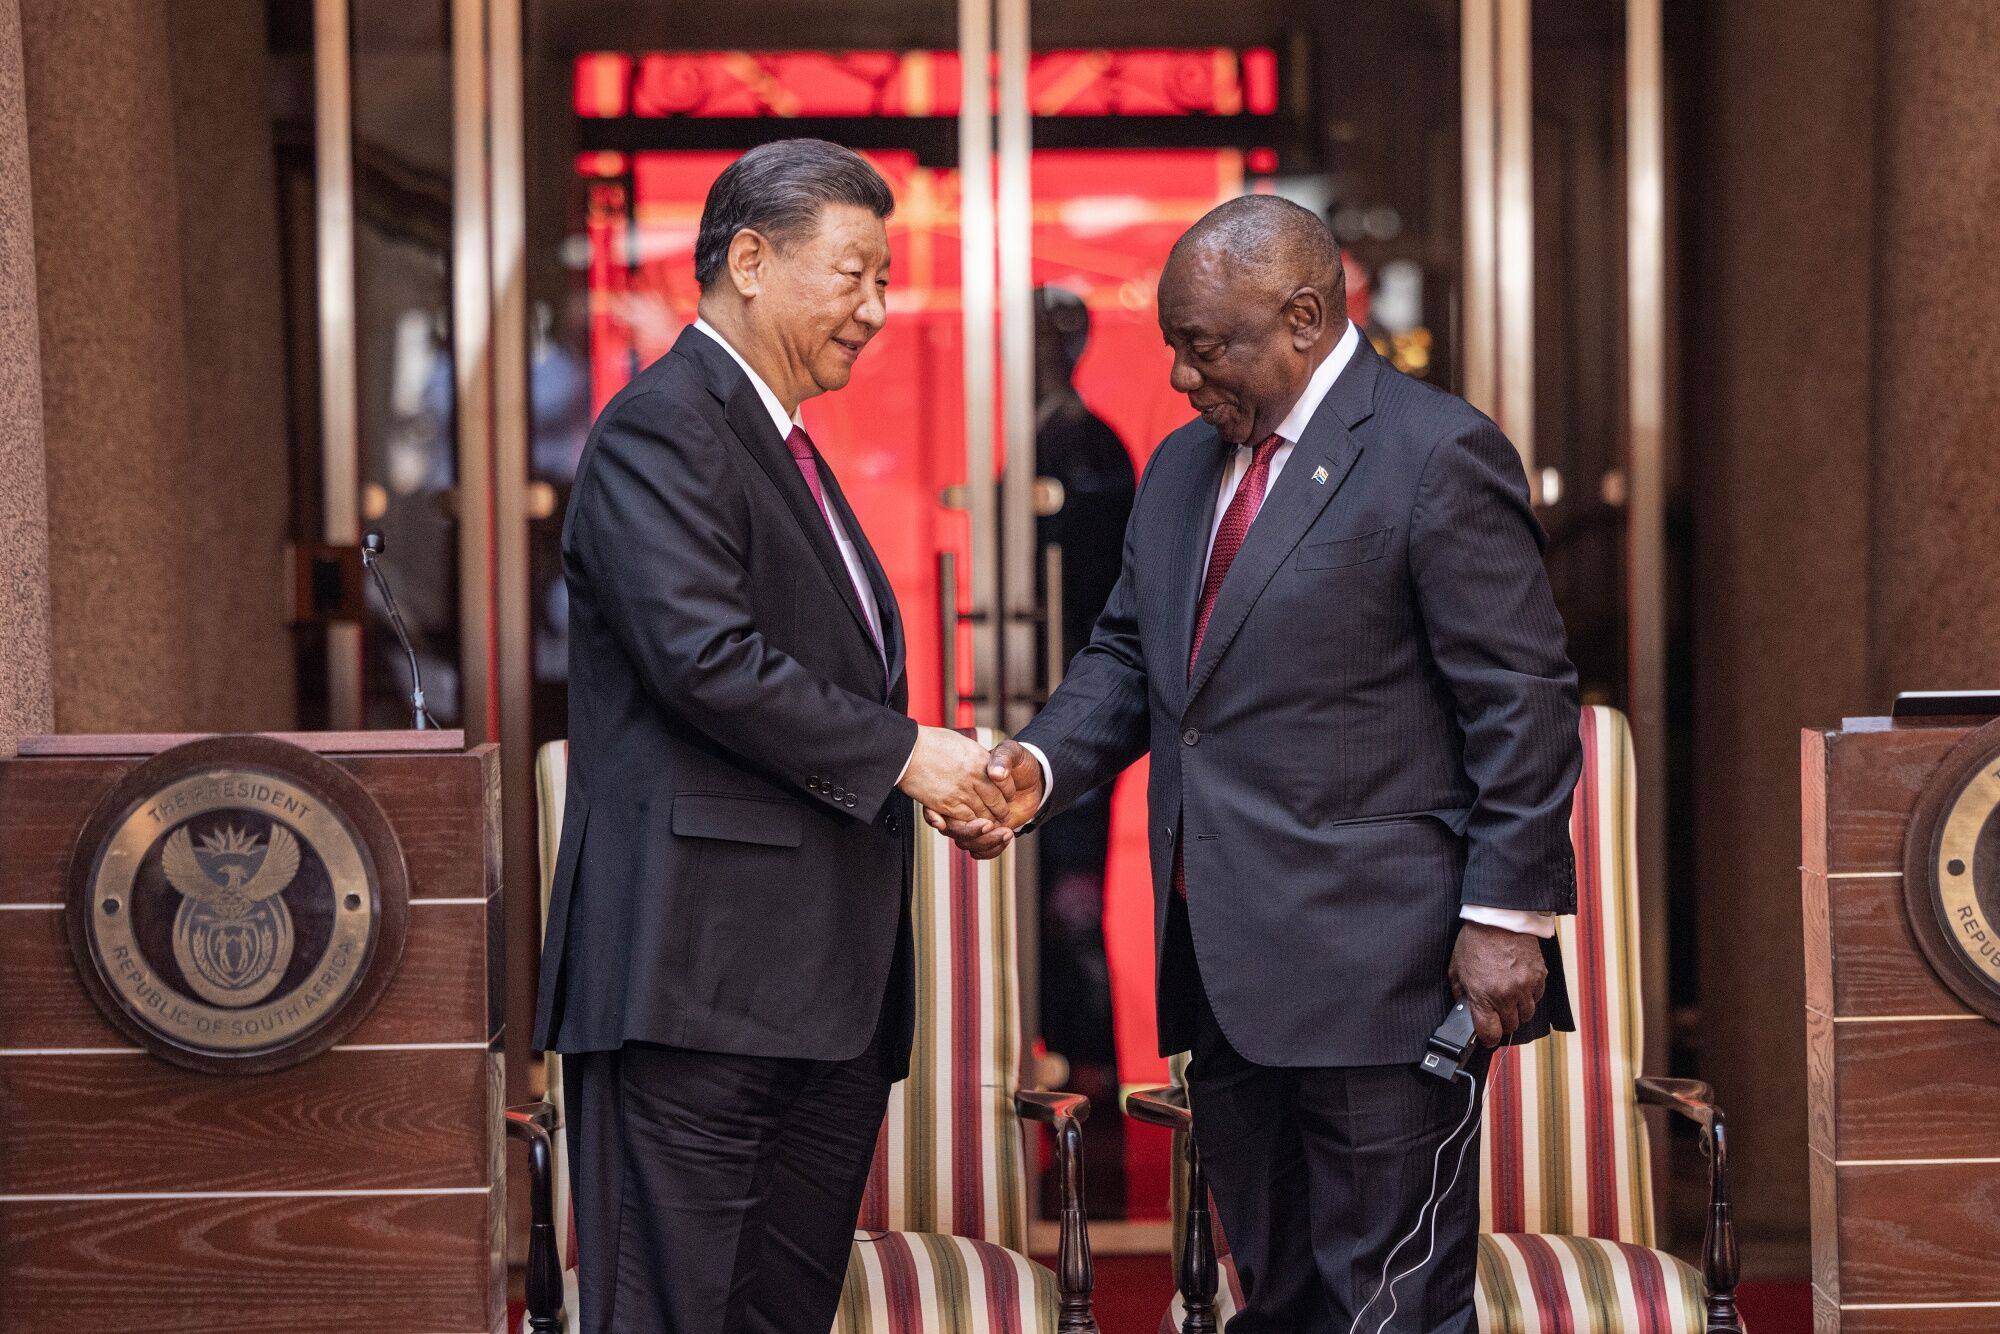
pixel 1904 1068
pixel 359 1188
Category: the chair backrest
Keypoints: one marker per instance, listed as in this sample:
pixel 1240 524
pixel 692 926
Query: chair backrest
pixel 1565 1149
pixel 950 1158
pixel 551 787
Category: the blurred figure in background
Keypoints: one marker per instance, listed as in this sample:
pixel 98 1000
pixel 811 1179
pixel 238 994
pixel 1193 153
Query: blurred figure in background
pixel 1075 447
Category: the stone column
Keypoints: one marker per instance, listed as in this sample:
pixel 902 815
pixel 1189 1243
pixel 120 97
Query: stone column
pixel 1776 407
pixel 1935 597
pixel 162 374
pixel 24 536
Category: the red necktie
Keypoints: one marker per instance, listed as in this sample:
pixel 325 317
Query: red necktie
pixel 801 446
pixel 1229 535
pixel 802 454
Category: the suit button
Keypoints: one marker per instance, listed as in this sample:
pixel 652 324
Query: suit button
pixel 1190 737
pixel 847 800
pixel 1169 831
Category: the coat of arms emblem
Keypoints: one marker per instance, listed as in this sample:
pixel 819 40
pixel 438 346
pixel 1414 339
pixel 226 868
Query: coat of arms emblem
pixel 236 903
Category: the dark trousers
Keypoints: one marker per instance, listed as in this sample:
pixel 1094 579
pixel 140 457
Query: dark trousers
pixel 715 1193
pixel 1317 1173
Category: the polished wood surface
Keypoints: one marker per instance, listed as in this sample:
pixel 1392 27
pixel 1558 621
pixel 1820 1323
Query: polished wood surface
pixel 360 1189
pixel 1903 1078
pixel 322 743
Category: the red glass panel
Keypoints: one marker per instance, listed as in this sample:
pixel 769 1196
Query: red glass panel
pixel 784 84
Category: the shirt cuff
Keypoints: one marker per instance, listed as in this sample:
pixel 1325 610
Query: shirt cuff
pixel 1541 924
pixel 908 760
pixel 1048 774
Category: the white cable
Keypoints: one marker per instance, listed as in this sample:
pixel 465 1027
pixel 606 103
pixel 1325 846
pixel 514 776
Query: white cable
pixel 1431 1206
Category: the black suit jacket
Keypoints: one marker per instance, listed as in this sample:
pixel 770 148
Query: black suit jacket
pixel 1382 725
pixel 734 866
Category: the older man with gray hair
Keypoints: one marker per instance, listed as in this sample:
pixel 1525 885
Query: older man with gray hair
pixel 728 969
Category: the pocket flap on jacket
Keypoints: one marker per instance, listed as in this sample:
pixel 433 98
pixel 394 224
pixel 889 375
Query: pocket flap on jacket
pixel 1345 551
pixel 743 819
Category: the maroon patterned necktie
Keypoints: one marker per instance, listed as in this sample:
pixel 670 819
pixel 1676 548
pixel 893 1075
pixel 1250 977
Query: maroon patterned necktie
pixel 801 446
pixel 1229 535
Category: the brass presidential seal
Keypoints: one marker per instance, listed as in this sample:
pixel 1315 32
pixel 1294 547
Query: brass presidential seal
pixel 1951 871
pixel 236 904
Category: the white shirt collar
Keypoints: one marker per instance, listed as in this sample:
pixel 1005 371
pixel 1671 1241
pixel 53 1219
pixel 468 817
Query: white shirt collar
pixel 779 421
pixel 1295 422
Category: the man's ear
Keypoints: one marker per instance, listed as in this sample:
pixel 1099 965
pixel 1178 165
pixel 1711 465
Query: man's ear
pixel 1307 312
pixel 748 252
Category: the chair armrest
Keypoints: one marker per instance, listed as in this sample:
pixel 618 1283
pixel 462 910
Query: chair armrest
pixel 1051 1107
pixel 1690 1097
pixel 542 1114
pixel 1160 1107
pixel 1696 1101
pixel 538 1124
pixel 1065 1114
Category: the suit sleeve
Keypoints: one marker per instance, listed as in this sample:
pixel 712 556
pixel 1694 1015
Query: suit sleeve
pixel 1096 723
pixel 1495 635
pixel 657 532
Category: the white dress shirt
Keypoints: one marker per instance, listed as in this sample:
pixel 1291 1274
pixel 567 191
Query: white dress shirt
pixel 1290 430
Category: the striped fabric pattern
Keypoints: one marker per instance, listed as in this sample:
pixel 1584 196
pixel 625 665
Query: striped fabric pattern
pixel 920 1282
pixel 1565 1148
pixel 1566 1199
pixel 950 1157
pixel 551 788
pixel 1545 1284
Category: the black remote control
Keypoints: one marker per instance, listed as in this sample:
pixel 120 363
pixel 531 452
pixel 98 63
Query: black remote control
pixel 1452 1046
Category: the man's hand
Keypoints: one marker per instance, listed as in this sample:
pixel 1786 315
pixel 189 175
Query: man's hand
pixel 1500 975
pixel 1015 771
pixel 948 773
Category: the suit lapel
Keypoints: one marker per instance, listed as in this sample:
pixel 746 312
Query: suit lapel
pixel 752 426
pixel 1196 499
pixel 878 578
pixel 1319 464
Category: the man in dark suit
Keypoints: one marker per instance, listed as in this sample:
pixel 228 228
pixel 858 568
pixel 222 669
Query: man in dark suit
pixel 1334 634
pixel 728 963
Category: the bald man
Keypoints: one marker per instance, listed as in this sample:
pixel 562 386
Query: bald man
pixel 1334 634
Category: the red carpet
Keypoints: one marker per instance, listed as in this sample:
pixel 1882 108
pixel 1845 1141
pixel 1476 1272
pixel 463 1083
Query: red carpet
pixel 1132 1293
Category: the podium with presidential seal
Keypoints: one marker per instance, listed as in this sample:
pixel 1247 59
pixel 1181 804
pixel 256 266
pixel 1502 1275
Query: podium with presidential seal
pixel 1901 875
pixel 250 1074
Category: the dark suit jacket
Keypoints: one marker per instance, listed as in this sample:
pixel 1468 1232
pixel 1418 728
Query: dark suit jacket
pixel 733 871
pixel 1382 725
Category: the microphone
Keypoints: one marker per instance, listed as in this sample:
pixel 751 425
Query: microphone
pixel 372 549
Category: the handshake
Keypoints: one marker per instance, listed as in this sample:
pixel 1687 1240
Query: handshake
pixel 978 797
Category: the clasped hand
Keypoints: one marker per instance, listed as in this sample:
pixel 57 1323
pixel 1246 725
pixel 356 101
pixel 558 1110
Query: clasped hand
pixel 976 796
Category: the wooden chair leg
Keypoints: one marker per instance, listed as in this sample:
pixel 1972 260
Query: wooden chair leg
pixel 1074 1275
pixel 1718 1242
pixel 535 1125
pixel 1198 1276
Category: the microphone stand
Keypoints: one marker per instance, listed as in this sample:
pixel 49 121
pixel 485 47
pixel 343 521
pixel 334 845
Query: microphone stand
pixel 372 548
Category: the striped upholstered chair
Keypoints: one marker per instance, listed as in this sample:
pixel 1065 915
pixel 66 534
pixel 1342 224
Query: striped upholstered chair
pixel 940 1244
pixel 1566 1201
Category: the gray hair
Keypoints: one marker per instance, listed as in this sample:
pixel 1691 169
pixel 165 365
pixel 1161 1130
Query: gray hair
pixel 778 190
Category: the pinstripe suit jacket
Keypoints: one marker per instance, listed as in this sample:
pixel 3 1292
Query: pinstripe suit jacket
pixel 1381 727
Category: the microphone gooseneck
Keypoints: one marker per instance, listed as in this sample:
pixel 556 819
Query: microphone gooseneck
pixel 372 549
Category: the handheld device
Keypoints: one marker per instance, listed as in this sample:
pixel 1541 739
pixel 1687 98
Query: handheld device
pixel 1452 1053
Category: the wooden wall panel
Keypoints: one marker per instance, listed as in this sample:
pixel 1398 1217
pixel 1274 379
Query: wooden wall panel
pixel 1903 1079
pixel 1909 1088
pixel 1920 1232
pixel 343 1120
pixel 362 1189
pixel 249 1266
pixel 426 797
pixel 437 995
